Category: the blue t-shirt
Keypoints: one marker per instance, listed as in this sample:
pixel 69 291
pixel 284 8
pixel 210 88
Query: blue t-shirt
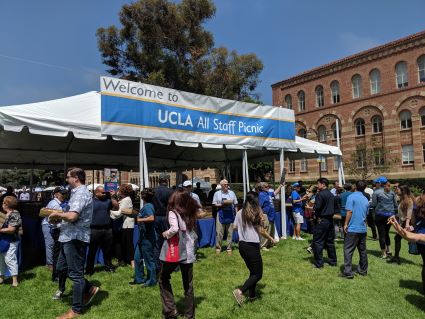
pixel 147 230
pixel 266 204
pixel 344 197
pixel 297 207
pixel 358 204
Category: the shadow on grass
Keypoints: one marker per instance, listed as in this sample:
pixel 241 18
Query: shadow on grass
pixel 26 276
pixel 181 305
pixel 411 284
pixel 97 300
pixel 377 253
pixel 200 255
pixel 417 301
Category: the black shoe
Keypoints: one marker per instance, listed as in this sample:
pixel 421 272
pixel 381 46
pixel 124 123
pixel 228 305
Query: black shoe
pixel 136 283
pixel 110 269
pixel 89 272
pixel 346 276
pixel 394 260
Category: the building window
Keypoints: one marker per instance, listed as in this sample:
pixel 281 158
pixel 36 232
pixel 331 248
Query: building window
pixel 423 117
pixel 360 127
pixel 360 159
pixel 375 81
pixel 301 100
pixel 324 165
pixel 288 102
pixel 405 120
pixel 336 164
pixel 407 154
pixel 402 78
pixel 322 133
pixel 302 133
pixel 320 101
pixel 376 124
pixel 335 92
pixel 303 165
pixel 379 157
pixel 421 68
pixel 206 179
pixel 291 166
pixel 356 84
pixel 334 135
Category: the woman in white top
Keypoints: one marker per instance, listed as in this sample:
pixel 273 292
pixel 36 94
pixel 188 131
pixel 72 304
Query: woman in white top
pixel 249 223
pixel 125 207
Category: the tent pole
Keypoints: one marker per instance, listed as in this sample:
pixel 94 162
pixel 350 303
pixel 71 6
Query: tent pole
pixel 243 175
pixel 247 171
pixel 92 179
pixel 282 195
pixel 31 178
pixel 339 158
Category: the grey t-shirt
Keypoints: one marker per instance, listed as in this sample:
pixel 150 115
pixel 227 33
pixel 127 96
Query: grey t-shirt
pixel 248 233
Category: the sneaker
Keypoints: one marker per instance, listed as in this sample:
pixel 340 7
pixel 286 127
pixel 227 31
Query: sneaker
pixel 69 315
pixel 229 252
pixel 294 238
pixel 384 256
pixel 310 250
pixel 132 283
pixel 265 249
pixel 217 252
pixel 238 296
pixel 347 276
pixel 88 297
pixel 57 295
pixel 300 238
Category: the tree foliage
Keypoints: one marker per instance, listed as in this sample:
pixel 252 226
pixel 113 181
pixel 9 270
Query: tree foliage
pixel 369 160
pixel 164 43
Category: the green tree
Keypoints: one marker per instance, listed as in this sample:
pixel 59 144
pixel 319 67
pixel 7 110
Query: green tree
pixel 164 43
pixel 370 160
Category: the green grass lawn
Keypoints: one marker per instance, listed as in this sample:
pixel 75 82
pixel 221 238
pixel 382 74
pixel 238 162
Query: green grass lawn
pixel 290 288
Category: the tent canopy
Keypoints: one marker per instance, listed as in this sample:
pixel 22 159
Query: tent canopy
pixel 67 132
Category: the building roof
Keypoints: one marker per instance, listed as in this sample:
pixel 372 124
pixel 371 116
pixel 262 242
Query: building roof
pixel 358 57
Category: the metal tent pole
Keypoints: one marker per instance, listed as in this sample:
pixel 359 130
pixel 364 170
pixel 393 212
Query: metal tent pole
pixel 282 195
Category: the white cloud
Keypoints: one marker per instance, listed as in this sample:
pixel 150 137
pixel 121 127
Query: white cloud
pixel 354 43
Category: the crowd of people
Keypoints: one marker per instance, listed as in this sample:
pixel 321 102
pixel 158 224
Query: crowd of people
pixel 79 220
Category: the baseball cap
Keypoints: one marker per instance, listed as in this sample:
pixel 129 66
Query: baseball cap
pixel 60 189
pixel 295 184
pixel 187 183
pixel 382 179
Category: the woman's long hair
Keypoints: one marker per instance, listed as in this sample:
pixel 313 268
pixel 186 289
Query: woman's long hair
pixel 181 202
pixel 406 198
pixel 420 206
pixel 251 210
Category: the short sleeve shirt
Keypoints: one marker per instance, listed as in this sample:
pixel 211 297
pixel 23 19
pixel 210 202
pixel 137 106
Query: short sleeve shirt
pixel 266 204
pixel 80 202
pixel 53 204
pixel 296 207
pixel 358 204
pixel 14 219
pixel 147 230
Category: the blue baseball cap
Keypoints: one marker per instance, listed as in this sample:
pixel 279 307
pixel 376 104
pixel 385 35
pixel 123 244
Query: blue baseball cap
pixel 295 185
pixel 382 179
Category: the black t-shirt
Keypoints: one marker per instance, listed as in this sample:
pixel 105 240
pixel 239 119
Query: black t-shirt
pixel 160 200
pixel 101 213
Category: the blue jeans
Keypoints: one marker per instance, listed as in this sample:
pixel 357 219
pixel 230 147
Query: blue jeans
pixel 148 257
pixel 48 243
pixel 139 269
pixel 71 261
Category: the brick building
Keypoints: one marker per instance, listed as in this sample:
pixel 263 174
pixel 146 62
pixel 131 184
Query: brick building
pixel 377 95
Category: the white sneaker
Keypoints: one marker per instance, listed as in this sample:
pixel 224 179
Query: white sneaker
pixel 299 238
pixel 294 238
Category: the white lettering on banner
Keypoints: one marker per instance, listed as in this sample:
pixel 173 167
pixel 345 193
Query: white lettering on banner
pixel 224 127
pixel 250 128
pixel 174 118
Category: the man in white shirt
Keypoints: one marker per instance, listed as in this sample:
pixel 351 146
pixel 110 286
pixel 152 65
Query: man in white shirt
pixel 25 195
pixel 225 201
pixel 187 185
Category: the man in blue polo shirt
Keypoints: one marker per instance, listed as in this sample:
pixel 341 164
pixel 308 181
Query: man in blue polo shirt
pixel 266 204
pixel 297 210
pixel 355 227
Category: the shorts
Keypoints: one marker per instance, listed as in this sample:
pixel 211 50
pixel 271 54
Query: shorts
pixel 298 218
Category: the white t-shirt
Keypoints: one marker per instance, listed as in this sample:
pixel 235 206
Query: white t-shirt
pixel 219 196
pixel 24 196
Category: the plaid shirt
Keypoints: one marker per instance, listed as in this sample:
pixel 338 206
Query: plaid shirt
pixel 80 202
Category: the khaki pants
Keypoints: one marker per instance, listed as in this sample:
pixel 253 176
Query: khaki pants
pixel 220 230
pixel 269 226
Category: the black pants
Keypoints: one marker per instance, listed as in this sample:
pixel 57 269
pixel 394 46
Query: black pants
pixel 166 291
pixel 100 238
pixel 250 252
pixel 421 249
pixel 56 250
pixel 127 245
pixel 383 231
pixel 371 223
pixel 397 242
pixel 160 227
pixel 323 237
pixel 116 238
pixel 351 242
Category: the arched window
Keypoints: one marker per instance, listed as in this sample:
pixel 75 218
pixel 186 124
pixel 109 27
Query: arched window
pixel 375 81
pixel 335 92
pixel 421 68
pixel 360 127
pixel 302 133
pixel 334 135
pixel 405 119
pixel 422 114
pixel 322 133
pixel 301 101
pixel 320 101
pixel 402 78
pixel 376 124
pixel 288 102
pixel 356 84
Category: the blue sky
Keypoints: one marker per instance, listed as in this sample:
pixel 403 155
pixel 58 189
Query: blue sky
pixel 48 48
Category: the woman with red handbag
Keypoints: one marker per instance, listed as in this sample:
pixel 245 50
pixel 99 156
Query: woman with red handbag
pixel 179 250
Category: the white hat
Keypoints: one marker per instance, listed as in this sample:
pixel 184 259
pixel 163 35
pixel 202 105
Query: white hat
pixel 187 183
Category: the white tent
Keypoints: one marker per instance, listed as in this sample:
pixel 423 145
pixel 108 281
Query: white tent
pixel 92 187
pixel 66 132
